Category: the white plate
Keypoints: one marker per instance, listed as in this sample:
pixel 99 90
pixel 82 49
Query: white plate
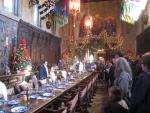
pixel 71 82
pixel 13 102
pixel 19 109
pixel 2 100
pixel 61 87
pixel 48 94
pixel 33 96
pixel 1 111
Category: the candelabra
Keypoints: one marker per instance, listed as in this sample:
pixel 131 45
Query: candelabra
pixel 74 9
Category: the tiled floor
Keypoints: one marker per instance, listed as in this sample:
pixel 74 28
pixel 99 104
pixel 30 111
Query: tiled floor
pixel 98 100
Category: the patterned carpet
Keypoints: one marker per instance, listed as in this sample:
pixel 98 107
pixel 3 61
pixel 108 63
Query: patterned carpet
pixel 98 99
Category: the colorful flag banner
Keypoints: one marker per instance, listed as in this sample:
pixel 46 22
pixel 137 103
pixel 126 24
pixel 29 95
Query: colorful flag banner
pixel 46 8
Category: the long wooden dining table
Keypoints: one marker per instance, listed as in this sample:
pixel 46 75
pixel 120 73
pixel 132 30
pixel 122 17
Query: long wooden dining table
pixel 37 105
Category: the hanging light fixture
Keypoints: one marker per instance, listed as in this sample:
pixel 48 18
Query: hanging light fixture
pixel 74 9
pixel 74 6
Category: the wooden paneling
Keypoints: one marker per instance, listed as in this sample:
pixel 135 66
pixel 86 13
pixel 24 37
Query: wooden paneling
pixel 41 45
pixel 143 42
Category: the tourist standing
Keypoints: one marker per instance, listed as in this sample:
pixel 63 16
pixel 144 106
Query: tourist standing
pixel 123 77
pixel 140 99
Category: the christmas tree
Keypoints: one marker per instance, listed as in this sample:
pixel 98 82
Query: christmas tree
pixel 20 59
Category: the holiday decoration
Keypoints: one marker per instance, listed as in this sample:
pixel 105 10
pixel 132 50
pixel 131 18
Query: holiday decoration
pixel 20 59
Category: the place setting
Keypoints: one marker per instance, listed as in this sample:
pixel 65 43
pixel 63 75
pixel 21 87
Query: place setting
pixel 13 102
pixel 19 109
pixel 48 94
pixel 61 87
pixel 2 111
pixel 2 102
pixel 34 97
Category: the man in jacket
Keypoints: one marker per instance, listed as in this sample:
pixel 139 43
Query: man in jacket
pixel 43 73
pixel 140 99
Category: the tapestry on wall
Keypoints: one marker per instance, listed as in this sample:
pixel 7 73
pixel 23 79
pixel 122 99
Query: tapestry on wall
pixel 99 24
pixel 8 40
pixel 61 12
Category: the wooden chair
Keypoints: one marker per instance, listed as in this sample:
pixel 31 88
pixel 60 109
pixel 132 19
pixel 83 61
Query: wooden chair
pixel 69 107
pixel 50 110
pixel 83 100
pixel 73 104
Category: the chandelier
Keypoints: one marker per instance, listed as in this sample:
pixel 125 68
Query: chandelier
pixel 74 9
pixel 74 6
